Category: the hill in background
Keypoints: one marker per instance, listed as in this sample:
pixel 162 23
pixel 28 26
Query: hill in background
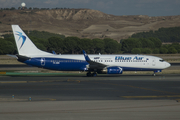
pixel 83 23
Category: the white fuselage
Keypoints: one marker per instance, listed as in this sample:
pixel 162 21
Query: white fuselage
pixel 127 62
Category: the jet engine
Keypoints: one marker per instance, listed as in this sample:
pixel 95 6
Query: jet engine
pixel 111 70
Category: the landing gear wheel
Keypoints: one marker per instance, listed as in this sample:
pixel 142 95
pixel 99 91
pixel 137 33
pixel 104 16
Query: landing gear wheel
pixel 88 74
pixel 94 74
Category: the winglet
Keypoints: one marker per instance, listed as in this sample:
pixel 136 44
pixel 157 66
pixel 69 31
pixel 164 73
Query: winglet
pixel 54 52
pixel 86 56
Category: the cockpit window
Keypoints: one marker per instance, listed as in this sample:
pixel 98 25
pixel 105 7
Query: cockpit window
pixel 161 60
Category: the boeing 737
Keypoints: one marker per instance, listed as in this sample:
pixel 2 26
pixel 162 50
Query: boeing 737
pixel 92 64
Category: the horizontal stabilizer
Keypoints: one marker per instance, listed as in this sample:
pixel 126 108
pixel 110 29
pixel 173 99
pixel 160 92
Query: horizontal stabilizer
pixel 14 56
pixel 22 58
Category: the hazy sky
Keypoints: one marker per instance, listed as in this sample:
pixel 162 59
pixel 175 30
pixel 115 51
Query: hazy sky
pixel 115 7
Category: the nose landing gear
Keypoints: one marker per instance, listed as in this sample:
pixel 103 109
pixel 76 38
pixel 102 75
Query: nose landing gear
pixel 154 74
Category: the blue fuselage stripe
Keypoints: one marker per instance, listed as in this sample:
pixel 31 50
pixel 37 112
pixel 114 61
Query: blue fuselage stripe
pixel 58 64
pixel 70 64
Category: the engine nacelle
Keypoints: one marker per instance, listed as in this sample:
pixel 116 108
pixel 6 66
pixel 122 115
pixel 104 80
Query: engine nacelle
pixel 111 70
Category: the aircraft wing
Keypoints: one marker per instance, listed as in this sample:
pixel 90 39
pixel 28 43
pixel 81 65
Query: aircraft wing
pixel 92 64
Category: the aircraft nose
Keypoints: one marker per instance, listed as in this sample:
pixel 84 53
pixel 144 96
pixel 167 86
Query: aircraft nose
pixel 168 64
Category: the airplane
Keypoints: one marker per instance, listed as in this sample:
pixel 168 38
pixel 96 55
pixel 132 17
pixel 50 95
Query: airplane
pixel 92 64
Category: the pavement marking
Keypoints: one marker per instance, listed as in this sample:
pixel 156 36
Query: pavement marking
pixel 13 82
pixel 39 81
pixel 163 96
pixel 37 99
pixel 51 99
pixel 78 81
pixel 31 81
pixel 43 81
pixel 3 73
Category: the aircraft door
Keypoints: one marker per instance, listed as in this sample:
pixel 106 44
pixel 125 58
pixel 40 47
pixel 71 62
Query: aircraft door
pixel 153 62
pixel 42 61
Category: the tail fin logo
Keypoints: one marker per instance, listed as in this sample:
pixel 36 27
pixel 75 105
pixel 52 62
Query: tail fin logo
pixel 23 38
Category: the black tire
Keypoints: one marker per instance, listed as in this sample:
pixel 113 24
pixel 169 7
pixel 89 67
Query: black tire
pixel 94 74
pixel 88 74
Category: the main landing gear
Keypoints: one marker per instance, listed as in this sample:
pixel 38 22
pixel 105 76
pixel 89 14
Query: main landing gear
pixel 89 74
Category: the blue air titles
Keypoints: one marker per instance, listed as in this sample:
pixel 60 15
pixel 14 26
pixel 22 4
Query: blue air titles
pixel 122 58
pixel 128 58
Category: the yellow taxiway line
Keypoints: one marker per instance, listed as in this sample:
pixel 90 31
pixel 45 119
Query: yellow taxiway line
pixel 42 81
pixel 13 82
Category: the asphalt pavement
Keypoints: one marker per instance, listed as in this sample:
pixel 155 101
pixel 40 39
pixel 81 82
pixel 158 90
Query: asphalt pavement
pixel 77 97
